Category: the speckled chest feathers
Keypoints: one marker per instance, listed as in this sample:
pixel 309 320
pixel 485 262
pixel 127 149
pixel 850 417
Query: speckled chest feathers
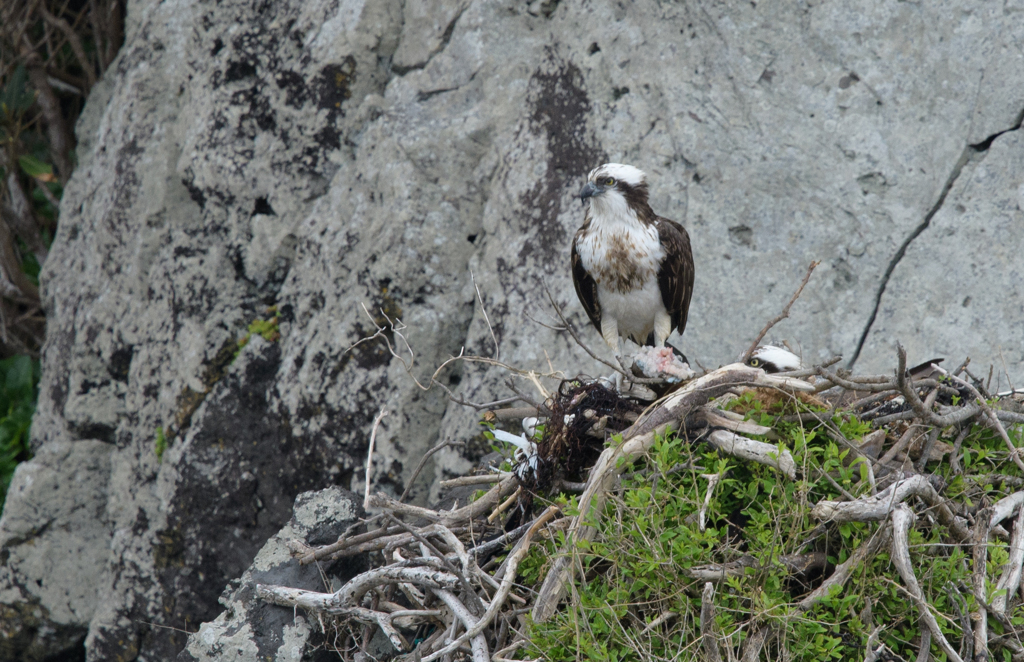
pixel 620 252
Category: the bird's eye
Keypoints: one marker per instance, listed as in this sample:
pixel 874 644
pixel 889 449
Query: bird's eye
pixel 609 181
pixel 753 363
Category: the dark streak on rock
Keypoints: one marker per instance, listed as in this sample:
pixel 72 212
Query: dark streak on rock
pixel 974 152
pixel 561 109
pixel 218 521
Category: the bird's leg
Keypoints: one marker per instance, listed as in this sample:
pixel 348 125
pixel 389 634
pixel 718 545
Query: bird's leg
pixel 610 333
pixel 662 327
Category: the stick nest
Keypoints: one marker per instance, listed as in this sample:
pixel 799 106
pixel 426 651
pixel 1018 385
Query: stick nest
pixel 809 515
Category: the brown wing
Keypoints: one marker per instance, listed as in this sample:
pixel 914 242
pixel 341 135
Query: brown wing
pixel 586 288
pixel 675 278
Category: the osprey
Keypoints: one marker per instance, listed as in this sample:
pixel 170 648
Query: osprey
pixel 772 359
pixel 632 269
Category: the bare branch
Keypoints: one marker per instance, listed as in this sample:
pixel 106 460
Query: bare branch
pixel 423 461
pixel 369 456
pixel 783 315
pixel 901 519
pixel 877 507
pixel 707 623
pixel 576 337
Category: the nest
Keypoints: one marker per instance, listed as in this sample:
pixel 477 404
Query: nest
pixel 582 414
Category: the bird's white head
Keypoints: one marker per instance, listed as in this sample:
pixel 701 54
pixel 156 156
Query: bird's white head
pixel 774 359
pixel 615 189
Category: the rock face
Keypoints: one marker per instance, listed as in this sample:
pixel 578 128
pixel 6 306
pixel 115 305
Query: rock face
pixel 250 629
pixel 357 163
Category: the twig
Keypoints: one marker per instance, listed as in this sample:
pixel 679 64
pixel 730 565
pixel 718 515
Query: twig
pixel 979 541
pixel 783 315
pixel 75 42
pixel 481 479
pixel 993 421
pixel 56 127
pixel 504 506
pixel 864 551
pixel 910 393
pixel 423 461
pixel 526 398
pixel 960 606
pixel 352 592
pixel 480 298
pixel 877 507
pixel 478 642
pixel 510 414
pixel 924 648
pixel 813 370
pixel 369 456
pixel 905 440
pixel 477 605
pixel 342 543
pixel 506 585
pixel 501 541
pixel 707 623
pixel 1009 581
pixel 754 643
pixel 663 617
pixel 576 337
pixel 448 517
pixel 777 457
pixel 901 519
pixel 702 512
pixel 872 647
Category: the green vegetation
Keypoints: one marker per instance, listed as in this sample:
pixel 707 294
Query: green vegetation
pixel 19 376
pixel 268 329
pixel 160 445
pixel 640 566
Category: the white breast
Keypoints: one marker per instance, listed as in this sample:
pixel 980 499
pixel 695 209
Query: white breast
pixel 623 257
pixel 620 255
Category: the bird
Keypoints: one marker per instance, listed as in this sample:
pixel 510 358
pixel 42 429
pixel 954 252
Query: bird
pixel 632 269
pixel 773 359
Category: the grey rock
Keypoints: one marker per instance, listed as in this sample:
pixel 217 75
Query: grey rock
pixel 54 545
pixel 967 265
pixel 250 629
pixel 359 163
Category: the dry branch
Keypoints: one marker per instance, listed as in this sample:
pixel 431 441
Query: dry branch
pixel 876 508
pixel 866 550
pixel 783 315
pixel 707 623
pixel 901 520
pixel 755 451
pixel 1009 581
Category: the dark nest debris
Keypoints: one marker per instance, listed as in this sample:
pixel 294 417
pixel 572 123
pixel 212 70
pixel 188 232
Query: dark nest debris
pixel 583 414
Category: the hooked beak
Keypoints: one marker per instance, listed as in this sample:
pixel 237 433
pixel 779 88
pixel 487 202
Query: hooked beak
pixel 591 189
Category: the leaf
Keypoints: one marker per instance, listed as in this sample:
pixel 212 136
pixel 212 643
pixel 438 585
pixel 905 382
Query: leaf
pixel 33 167
pixel 16 96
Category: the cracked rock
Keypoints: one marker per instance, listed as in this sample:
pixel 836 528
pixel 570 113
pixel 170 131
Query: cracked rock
pixel 259 191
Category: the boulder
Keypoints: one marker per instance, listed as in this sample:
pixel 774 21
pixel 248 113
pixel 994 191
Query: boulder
pixel 250 629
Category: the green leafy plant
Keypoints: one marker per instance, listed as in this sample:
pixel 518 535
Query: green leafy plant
pixel 19 376
pixel 638 598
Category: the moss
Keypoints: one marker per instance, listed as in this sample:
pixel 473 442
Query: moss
pixel 268 329
pixel 160 445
